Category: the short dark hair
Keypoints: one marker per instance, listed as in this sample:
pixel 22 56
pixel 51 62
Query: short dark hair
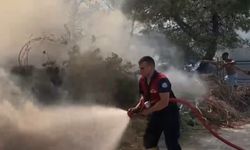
pixel 225 54
pixel 147 59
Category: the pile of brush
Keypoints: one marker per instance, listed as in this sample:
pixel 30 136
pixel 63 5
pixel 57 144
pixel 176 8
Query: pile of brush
pixel 224 105
pixel 219 112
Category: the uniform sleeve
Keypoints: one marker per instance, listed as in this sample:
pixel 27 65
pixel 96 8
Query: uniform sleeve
pixel 164 86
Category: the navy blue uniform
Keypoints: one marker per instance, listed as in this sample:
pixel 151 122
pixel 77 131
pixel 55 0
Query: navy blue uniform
pixel 164 121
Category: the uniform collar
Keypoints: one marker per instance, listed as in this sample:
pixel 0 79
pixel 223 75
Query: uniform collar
pixel 153 75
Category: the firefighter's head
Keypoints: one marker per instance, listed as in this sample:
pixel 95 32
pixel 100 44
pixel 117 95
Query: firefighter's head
pixel 147 66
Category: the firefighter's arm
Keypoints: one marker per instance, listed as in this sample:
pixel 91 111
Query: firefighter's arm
pixel 135 110
pixel 224 64
pixel 138 105
pixel 218 64
pixel 231 62
pixel 162 103
pixel 242 70
pixel 210 61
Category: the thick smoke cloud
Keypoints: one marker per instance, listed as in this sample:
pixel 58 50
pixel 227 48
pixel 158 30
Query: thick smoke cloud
pixel 25 125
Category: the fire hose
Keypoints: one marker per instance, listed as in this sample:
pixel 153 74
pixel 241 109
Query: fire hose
pixel 202 120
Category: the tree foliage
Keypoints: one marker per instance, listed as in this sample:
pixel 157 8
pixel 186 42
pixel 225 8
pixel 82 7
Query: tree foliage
pixel 85 77
pixel 92 78
pixel 202 26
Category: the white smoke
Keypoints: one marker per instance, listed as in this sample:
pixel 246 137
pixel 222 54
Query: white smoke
pixel 27 126
pixel 185 85
pixel 92 24
pixel 23 19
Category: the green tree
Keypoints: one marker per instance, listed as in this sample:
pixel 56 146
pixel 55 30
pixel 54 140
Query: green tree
pixel 200 26
pixel 90 77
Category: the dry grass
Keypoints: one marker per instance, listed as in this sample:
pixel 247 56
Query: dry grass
pixel 224 105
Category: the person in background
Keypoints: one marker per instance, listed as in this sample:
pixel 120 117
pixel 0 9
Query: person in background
pixel 230 68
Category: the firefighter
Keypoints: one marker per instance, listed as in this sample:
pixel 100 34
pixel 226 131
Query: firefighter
pixel 163 116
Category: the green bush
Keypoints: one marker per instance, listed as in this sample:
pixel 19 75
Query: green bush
pixel 86 77
pixel 92 78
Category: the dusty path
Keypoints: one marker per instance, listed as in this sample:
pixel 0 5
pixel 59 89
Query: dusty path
pixel 202 140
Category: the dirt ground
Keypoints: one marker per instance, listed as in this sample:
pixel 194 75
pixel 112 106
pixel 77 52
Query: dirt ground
pixel 194 139
pixel 201 139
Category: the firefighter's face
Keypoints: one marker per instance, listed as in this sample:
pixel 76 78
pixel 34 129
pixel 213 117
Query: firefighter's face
pixel 224 57
pixel 146 69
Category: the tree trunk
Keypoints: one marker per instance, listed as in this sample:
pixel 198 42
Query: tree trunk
pixel 212 47
pixel 211 51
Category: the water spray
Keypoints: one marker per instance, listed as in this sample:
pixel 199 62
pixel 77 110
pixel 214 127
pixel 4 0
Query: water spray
pixel 60 127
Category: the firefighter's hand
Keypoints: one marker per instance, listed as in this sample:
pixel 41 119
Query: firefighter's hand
pixel 133 109
pixel 145 112
pixel 131 112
